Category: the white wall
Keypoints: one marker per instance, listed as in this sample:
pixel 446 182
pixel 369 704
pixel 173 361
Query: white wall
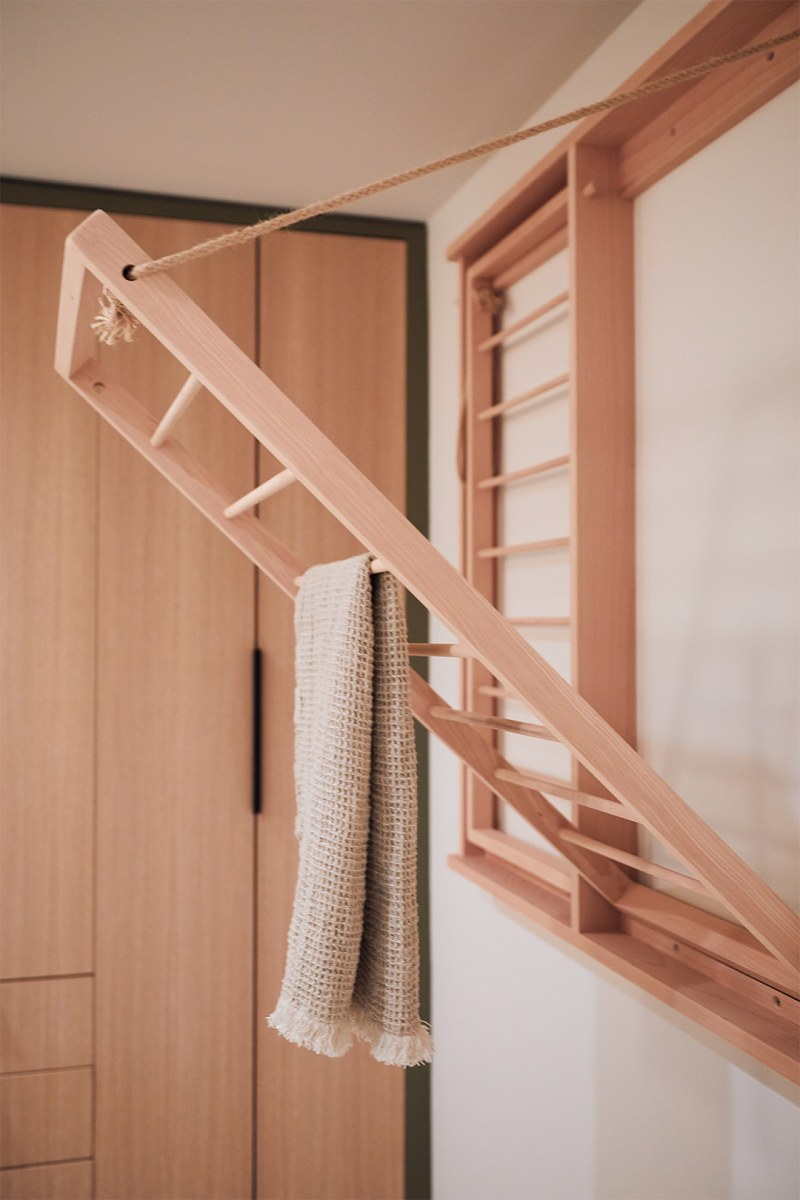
pixel 553 1077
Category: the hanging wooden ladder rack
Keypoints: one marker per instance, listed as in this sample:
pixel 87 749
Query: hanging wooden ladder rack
pixel 96 254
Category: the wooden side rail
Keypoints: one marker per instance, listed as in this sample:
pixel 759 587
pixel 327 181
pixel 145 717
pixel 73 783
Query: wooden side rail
pixel 100 247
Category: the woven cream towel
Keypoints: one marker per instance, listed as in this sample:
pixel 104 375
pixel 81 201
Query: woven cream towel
pixel 352 963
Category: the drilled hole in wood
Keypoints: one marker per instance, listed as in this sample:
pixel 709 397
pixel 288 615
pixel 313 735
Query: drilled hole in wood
pixel 99 386
pixel 127 273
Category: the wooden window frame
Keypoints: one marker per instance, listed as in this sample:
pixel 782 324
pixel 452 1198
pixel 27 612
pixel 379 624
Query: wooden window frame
pixel 580 195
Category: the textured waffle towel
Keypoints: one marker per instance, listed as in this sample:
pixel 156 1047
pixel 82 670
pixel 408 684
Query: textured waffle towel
pixel 352 963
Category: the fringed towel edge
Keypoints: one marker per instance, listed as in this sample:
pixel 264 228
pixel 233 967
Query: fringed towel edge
pixel 332 1038
pixel 394 1049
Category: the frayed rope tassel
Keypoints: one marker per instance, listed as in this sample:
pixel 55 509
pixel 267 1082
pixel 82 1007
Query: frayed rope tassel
pixel 114 323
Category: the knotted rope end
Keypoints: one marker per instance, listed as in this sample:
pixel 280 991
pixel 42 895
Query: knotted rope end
pixel 113 323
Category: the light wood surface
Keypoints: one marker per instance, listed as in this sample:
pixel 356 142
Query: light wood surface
pixel 175 838
pixel 332 333
pixel 438 650
pixel 717 28
pixel 541 254
pixel 508 331
pixel 714 105
pixel 717 937
pixel 555 543
pixel 47 516
pixel 538 229
pixel 485 762
pixel 479 525
pixel 46 1023
pixel 542 389
pixel 602 480
pixel 45 1116
pixel 188 393
pixel 550 868
pixel 607 850
pixel 55 1181
pixel 470 718
pixel 552 787
pixel 738 1018
pixel 270 487
pixel 263 409
pixel 551 464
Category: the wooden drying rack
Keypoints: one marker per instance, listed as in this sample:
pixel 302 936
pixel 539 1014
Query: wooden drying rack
pixel 741 980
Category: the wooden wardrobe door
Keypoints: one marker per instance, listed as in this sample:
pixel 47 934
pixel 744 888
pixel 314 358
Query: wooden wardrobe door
pixel 333 336
pixel 48 540
pixel 175 829
pixel 47 513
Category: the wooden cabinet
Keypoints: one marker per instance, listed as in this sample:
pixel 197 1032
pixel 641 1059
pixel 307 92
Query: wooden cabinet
pixel 144 904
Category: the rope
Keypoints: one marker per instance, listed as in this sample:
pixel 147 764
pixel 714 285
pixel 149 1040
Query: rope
pixel 240 236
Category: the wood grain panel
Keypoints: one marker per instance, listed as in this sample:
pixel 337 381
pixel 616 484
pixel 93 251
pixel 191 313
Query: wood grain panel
pixel 45 1116
pixel 47 527
pixel 56 1181
pixel 603 449
pixel 45 1023
pixel 333 334
pixel 175 830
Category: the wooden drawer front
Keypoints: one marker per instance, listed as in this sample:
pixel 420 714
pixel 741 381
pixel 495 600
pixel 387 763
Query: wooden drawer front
pixel 45 1023
pixel 45 1117
pixel 63 1181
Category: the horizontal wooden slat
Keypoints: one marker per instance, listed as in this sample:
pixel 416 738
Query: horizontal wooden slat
pixel 633 860
pixel 549 868
pixel 45 1023
pixel 484 760
pixel 497 339
pixel 55 1181
pixel 770 998
pixel 524 548
pixel 503 723
pixel 550 385
pixel 538 229
pixel 542 253
pixel 551 464
pixel 711 107
pixel 552 787
pixel 714 935
pixel 769 1037
pixel 554 622
pixel 45 1117
pixel 438 650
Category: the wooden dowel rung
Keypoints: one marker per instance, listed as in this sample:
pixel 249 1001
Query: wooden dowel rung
pixel 503 335
pixel 553 787
pixel 376 567
pixel 633 860
pixel 501 723
pixel 438 650
pixel 276 484
pixel 552 464
pixel 499 693
pixel 176 410
pixel 539 621
pixel 523 548
pixel 550 386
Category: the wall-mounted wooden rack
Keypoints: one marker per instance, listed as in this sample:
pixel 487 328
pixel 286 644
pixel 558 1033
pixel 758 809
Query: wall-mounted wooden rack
pixel 740 979
pixel 569 222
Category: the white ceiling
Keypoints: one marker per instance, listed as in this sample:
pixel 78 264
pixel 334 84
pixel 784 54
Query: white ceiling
pixel 277 101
